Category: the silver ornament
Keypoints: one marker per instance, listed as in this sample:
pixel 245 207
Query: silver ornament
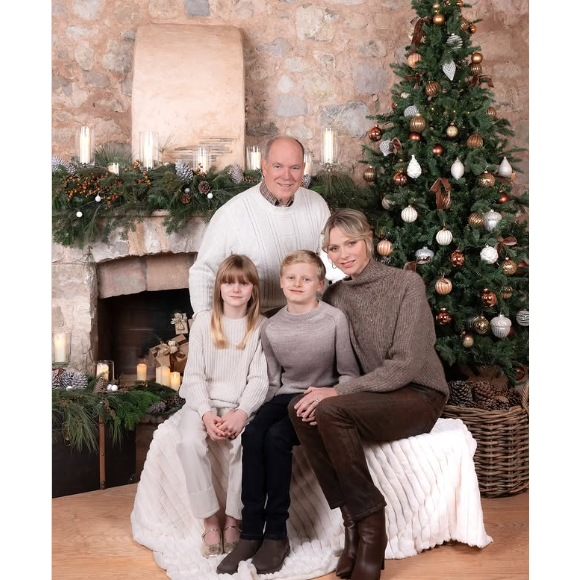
pixel 385 147
pixel 500 326
pixel 523 318
pixel 444 237
pixel 387 203
pixel 306 179
pixel 413 169
pixel 449 69
pixel 424 255
pixel 505 169
pixel 455 41
pixel 409 214
pixel 489 255
pixel 411 111
pixel 457 169
pixel 491 219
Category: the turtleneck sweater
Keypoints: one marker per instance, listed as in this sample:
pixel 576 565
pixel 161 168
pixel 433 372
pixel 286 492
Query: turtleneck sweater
pixel 391 329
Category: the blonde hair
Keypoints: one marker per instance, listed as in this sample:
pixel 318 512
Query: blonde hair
pixel 304 257
pixel 353 224
pixel 235 268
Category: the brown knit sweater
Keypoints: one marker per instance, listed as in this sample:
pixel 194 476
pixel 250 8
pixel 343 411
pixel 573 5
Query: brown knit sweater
pixel 391 329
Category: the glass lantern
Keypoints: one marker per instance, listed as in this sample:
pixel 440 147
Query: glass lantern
pixel 85 145
pixel 149 149
pixel 328 148
pixel 253 158
pixel 106 369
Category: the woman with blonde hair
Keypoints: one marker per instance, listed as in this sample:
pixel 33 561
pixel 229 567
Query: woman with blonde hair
pixel 401 391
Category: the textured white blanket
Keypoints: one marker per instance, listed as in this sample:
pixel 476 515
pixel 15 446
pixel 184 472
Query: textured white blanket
pixel 429 482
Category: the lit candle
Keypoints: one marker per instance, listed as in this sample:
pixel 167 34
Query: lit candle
pixel 202 160
pixel 165 376
pixel 328 154
pixel 142 372
pixel 307 162
pixel 175 381
pixel 158 377
pixel 103 369
pixel 114 168
pixel 60 347
pixel 85 145
pixel 148 150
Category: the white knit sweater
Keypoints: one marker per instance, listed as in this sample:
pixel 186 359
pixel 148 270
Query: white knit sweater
pixel 224 377
pixel 248 224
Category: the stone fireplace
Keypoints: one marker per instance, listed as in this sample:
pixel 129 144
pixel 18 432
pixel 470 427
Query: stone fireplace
pixel 148 260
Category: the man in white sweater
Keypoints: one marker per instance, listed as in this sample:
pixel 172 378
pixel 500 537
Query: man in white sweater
pixel 265 223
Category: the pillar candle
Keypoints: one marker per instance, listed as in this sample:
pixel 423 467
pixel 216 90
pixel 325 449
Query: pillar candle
pixel 142 372
pixel 85 145
pixel 103 369
pixel 113 168
pixel 158 375
pixel 175 381
pixel 60 347
pixel 165 376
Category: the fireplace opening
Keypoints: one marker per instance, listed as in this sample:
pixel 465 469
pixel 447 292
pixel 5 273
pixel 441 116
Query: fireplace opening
pixel 129 325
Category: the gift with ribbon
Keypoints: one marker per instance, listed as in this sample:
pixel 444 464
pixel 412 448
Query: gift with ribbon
pixel 172 354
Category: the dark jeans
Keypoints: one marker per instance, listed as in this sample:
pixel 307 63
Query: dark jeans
pixel 267 445
pixel 334 446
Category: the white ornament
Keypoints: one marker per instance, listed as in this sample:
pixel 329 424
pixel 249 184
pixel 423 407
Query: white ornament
pixel 109 387
pixel 97 198
pixel 489 255
pixel 210 195
pixel 523 317
pixel 187 190
pixel 79 214
pixel 491 219
pixel 455 41
pixel 449 69
pixel 457 169
pixel 409 214
pixel 404 95
pixel 69 388
pixel 387 203
pixel 384 146
pixel 444 237
pixel 424 255
pixel 505 169
pixel 500 326
pixel 411 111
pixel 113 387
pixel 413 169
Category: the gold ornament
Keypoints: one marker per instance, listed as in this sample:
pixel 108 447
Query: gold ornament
pixel 432 87
pixel 413 59
pixel 438 19
pixel 472 28
pixel 443 286
pixel 385 248
pixel 464 26
pixel 436 6
pixel 443 317
pixel 418 124
pixel 488 298
pixel 445 201
pixel 475 141
pixel 414 137
pixel 452 131
pixel 486 179
pixel 459 3
pixel 509 267
pixel 475 220
pixel 375 134
pixel 476 57
pixel 492 112
pixel 467 340
pixel 476 68
pixel 507 291
pixel 481 325
pixel 370 173
pixel 400 178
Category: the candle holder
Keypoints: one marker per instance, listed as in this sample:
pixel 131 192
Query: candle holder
pixel 307 177
pixel 328 148
pixel 61 348
pixel 106 369
pixel 253 158
pixel 201 159
pixel 85 145
pixel 149 149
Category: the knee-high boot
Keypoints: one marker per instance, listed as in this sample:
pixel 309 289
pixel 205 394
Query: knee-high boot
pixel 347 558
pixel 370 555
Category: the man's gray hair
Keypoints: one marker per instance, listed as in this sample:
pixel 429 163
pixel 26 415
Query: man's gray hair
pixel 274 139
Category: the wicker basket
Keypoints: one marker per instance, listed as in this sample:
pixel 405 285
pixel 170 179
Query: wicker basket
pixel 502 454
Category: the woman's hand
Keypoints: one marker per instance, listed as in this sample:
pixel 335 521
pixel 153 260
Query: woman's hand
pixel 233 423
pixel 213 426
pixel 306 406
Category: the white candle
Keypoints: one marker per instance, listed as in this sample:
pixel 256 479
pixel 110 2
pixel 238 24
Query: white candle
pixel 114 168
pixel 202 160
pixel 142 372
pixel 175 381
pixel 148 151
pixel 158 377
pixel 60 347
pixel 165 376
pixel 103 369
pixel 328 146
pixel 307 163
pixel 85 145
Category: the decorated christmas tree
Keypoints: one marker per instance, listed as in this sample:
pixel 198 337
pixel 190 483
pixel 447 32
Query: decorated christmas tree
pixel 444 175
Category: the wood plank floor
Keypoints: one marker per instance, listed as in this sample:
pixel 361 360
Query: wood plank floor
pixel 92 540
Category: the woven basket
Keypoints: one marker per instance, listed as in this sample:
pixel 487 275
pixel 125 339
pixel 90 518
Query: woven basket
pixel 502 454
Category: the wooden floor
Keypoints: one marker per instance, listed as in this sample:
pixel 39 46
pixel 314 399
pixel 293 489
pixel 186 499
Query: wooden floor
pixel 92 541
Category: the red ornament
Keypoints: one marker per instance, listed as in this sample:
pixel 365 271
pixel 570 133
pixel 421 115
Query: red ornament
pixel 503 198
pixel 443 317
pixel 512 331
pixel 520 372
pixel 437 149
pixel 400 179
pixel 393 105
pixel 375 134
pixel 522 267
pixel 414 136
pixel 488 298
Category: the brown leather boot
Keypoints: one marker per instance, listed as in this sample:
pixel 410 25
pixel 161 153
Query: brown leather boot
pixel 244 550
pixel 347 558
pixel 370 555
pixel 271 555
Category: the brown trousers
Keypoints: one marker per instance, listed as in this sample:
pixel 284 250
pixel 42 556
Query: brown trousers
pixel 334 446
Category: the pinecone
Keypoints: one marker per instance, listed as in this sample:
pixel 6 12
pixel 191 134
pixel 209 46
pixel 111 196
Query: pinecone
pixel 204 187
pixel 249 179
pixel 185 198
pixel 56 373
pixel 306 179
pixel 79 381
pixel 57 163
pixel 183 171
pixel 157 408
pixel 100 385
pixel 515 398
pixel 66 378
pixel 237 174
pixel 460 394
pixel 175 401
pixel 485 395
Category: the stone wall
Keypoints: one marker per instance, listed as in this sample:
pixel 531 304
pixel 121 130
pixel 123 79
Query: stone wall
pixel 305 63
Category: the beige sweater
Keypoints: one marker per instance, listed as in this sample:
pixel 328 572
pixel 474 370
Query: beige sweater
pixel 391 329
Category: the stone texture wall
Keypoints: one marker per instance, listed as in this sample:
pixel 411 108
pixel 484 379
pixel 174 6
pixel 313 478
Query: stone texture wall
pixel 305 63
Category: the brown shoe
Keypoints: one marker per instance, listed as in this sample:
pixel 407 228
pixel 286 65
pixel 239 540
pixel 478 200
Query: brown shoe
pixel 370 555
pixel 244 550
pixel 271 555
pixel 347 559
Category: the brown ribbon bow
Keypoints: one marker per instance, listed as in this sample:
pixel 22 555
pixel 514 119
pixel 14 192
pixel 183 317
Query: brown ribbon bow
pixel 482 79
pixel 509 241
pixel 416 76
pixel 418 30
pixel 439 196
pixel 395 146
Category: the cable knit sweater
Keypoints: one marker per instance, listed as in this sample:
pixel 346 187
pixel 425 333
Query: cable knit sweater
pixel 224 377
pixel 248 224
pixel 308 349
pixel 391 329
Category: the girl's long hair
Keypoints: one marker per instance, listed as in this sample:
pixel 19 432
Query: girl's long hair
pixel 235 268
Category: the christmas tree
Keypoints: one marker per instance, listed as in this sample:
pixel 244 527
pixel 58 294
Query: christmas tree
pixel 443 174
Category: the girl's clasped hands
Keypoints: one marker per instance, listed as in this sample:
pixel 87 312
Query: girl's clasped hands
pixel 227 427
